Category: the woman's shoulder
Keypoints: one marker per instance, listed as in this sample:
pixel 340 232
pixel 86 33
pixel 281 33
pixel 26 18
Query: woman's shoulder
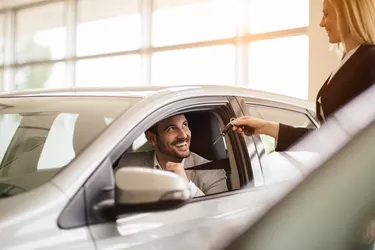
pixel 366 55
pixel 369 50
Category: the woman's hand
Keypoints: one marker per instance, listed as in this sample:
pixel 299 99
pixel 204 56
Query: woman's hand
pixel 260 126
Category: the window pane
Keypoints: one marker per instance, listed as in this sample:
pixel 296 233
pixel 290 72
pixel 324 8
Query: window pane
pixel 58 149
pixel 41 76
pixel 112 71
pixel 106 26
pixel 280 66
pixel 2 38
pixel 46 133
pixel 190 21
pixel 8 126
pixel 2 87
pixel 288 117
pixel 273 15
pixel 38 39
pixel 284 116
pixel 208 65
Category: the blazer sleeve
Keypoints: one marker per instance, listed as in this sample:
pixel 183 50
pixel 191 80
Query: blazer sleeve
pixel 218 182
pixel 371 66
pixel 288 135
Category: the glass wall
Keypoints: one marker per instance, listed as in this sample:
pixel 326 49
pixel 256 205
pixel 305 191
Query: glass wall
pixel 259 44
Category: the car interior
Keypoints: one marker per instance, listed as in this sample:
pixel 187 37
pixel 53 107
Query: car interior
pixel 205 127
pixel 26 150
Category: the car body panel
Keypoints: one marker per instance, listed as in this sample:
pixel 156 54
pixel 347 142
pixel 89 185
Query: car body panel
pixel 203 221
pixel 29 221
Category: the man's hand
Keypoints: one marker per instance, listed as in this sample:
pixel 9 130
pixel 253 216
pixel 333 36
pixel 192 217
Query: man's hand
pixel 177 168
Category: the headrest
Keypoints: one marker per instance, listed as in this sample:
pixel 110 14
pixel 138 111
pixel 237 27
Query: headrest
pixel 87 127
pixel 205 129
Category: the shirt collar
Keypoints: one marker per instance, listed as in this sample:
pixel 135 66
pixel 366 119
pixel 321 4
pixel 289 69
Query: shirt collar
pixel 350 53
pixel 157 164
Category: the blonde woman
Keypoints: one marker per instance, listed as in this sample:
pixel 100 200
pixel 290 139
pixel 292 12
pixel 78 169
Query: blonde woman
pixel 350 24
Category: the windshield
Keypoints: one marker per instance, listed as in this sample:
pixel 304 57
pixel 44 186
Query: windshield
pixel 41 135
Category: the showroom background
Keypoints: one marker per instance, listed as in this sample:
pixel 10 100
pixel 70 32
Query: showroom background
pixel 270 45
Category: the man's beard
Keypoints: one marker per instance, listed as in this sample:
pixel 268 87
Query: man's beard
pixel 171 154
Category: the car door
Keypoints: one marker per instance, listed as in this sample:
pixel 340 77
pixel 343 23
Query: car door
pixel 189 227
pixel 281 166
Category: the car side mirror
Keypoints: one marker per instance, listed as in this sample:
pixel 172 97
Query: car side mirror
pixel 141 189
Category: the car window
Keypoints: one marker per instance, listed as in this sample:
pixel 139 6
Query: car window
pixel 8 126
pixel 208 166
pixel 288 117
pixel 42 135
pixel 58 149
pixel 281 166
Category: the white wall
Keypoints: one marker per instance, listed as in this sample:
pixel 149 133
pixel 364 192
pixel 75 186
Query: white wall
pixel 323 60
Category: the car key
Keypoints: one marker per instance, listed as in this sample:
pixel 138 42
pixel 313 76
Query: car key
pixel 229 126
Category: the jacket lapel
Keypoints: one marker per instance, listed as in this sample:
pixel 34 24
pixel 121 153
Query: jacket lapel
pixel 341 72
pixel 318 100
pixel 149 159
pixel 189 162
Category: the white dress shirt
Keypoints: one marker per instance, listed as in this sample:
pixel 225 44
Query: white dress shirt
pixel 193 188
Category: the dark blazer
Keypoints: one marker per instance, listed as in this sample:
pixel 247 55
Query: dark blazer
pixel 355 76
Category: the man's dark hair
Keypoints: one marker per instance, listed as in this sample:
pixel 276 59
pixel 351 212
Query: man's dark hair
pixel 154 129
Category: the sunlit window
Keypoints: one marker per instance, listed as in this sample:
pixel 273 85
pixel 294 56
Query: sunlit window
pixel 112 71
pixel 38 39
pixel 40 76
pixel 185 21
pixel 115 26
pixel 2 87
pixel 273 15
pixel 280 66
pixel 208 65
pixel 106 26
pixel 2 38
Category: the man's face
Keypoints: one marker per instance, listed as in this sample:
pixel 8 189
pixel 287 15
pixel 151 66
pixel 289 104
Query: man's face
pixel 173 139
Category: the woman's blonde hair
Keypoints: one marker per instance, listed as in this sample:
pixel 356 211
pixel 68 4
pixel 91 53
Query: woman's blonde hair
pixel 357 18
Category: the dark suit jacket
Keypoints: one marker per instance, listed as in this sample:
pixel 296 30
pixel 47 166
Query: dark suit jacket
pixel 355 76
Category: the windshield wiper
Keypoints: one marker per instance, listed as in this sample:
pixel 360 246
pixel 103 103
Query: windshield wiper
pixel 4 195
pixel 4 106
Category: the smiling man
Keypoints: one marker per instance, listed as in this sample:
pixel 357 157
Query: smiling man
pixel 170 139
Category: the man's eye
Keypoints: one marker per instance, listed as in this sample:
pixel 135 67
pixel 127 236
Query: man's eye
pixel 170 129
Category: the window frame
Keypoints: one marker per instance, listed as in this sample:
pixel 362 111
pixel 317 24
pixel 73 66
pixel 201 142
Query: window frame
pixel 226 106
pixel 96 183
pixel 281 107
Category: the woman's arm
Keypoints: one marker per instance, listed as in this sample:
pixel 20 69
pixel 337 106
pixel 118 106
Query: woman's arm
pixel 289 135
pixel 284 135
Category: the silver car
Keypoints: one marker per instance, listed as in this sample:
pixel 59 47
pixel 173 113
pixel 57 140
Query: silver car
pixel 59 149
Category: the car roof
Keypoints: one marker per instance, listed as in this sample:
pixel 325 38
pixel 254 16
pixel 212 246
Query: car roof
pixel 165 91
